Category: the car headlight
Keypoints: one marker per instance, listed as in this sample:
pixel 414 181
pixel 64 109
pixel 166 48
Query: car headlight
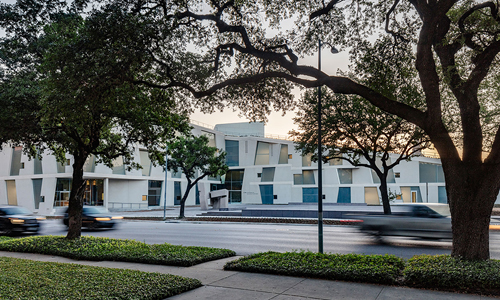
pixel 16 221
pixel 117 218
pixel 41 218
pixel 102 219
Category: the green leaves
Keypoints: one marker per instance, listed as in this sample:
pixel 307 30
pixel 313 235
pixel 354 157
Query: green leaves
pixel 96 248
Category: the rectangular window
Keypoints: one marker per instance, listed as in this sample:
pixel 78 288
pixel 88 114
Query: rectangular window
pixel 233 153
pixel 397 175
pixel 154 192
pixel 308 177
pixel 37 191
pixel 11 192
pixel 63 188
pixel 177 174
pixel 289 156
pixel 118 166
pixel 68 162
pixel 442 197
pixel 306 160
pixel 345 176
pixel 310 195
pixel 298 179
pixel 15 165
pixel 94 192
pixel 267 174
pixel 371 196
pixel 38 164
pixel 262 153
pixel 234 184
pixel 177 193
pixel 283 155
pixel 145 162
pixel 431 172
pixel 61 168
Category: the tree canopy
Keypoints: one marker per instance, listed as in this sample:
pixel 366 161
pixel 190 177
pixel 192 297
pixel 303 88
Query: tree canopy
pixel 359 133
pixel 68 82
pixel 248 53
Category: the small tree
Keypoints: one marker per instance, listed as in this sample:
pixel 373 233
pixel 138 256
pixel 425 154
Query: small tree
pixel 191 154
pixel 355 129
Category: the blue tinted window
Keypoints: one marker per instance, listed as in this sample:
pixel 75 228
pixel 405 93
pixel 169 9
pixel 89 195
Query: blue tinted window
pixel 233 153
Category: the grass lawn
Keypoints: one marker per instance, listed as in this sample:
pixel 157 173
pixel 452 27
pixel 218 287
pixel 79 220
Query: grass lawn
pixel 26 279
pixel 98 248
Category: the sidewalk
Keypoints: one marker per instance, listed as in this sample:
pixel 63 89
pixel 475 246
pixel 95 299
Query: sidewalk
pixel 230 285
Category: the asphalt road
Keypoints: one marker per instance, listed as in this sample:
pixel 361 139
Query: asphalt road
pixel 248 238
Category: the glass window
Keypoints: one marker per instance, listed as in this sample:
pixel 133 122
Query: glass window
pixel 178 173
pixel 233 153
pixel 310 195
pixel 234 184
pixel 89 165
pixel 298 179
pixel 38 164
pixel 267 174
pixel 306 160
pixel 308 176
pixel 262 154
pixel 345 176
pixel 37 191
pixel 283 155
pixel 371 196
pixel 177 193
pixel 94 192
pixel 63 188
pixel 145 162
pixel 15 165
pixel 118 166
pixel 154 192
pixel 442 197
pixel 431 172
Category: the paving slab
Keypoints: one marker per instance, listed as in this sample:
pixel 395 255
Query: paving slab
pixel 327 289
pixel 221 293
pixel 259 282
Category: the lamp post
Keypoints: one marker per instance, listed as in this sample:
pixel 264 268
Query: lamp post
pixel 165 187
pixel 320 171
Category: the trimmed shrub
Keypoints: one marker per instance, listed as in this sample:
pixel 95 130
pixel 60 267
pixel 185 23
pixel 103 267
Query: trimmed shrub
pixel 385 269
pixel 446 272
pixel 99 248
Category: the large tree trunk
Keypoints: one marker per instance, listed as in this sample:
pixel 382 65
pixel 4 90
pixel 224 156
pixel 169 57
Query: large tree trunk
pixel 472 191
pixel 384 193
pixel 76 199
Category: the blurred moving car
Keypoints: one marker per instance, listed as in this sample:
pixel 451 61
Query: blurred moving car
pixel 422 220
pixel 17 219
pixel 95 217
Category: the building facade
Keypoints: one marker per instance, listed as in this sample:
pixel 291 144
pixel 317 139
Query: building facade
pixel 262 170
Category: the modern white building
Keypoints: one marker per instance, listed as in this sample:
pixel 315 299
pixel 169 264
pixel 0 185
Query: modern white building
pixel 263 169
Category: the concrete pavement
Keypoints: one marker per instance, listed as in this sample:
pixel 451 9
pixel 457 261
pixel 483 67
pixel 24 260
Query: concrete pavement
pixel 231 285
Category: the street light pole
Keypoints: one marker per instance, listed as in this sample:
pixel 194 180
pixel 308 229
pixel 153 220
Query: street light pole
pixel 320 175
pixel 165 187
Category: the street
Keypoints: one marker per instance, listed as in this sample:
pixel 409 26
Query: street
pixel 248 238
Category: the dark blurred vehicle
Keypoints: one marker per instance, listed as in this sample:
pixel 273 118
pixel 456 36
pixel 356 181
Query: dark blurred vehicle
pixel 95 217
pixel 17 219
pixel 421 220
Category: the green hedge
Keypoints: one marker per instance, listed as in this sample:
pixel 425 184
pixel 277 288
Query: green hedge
pixel 350 267
pixel 445 272
pixel 98 248
pixel 26 279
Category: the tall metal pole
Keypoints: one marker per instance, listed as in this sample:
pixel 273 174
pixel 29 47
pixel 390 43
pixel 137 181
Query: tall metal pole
pixel 165 187
pixel 320 177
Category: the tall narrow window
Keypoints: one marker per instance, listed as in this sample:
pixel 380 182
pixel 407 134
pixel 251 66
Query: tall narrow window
pixel 283 155
pixel 15 165
pixel 89 165
pixel 38 164
pixel 233 153
pixel 37 191
pixel 306 160
pixel 154 192
pixel 262 154
pixel 145 162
